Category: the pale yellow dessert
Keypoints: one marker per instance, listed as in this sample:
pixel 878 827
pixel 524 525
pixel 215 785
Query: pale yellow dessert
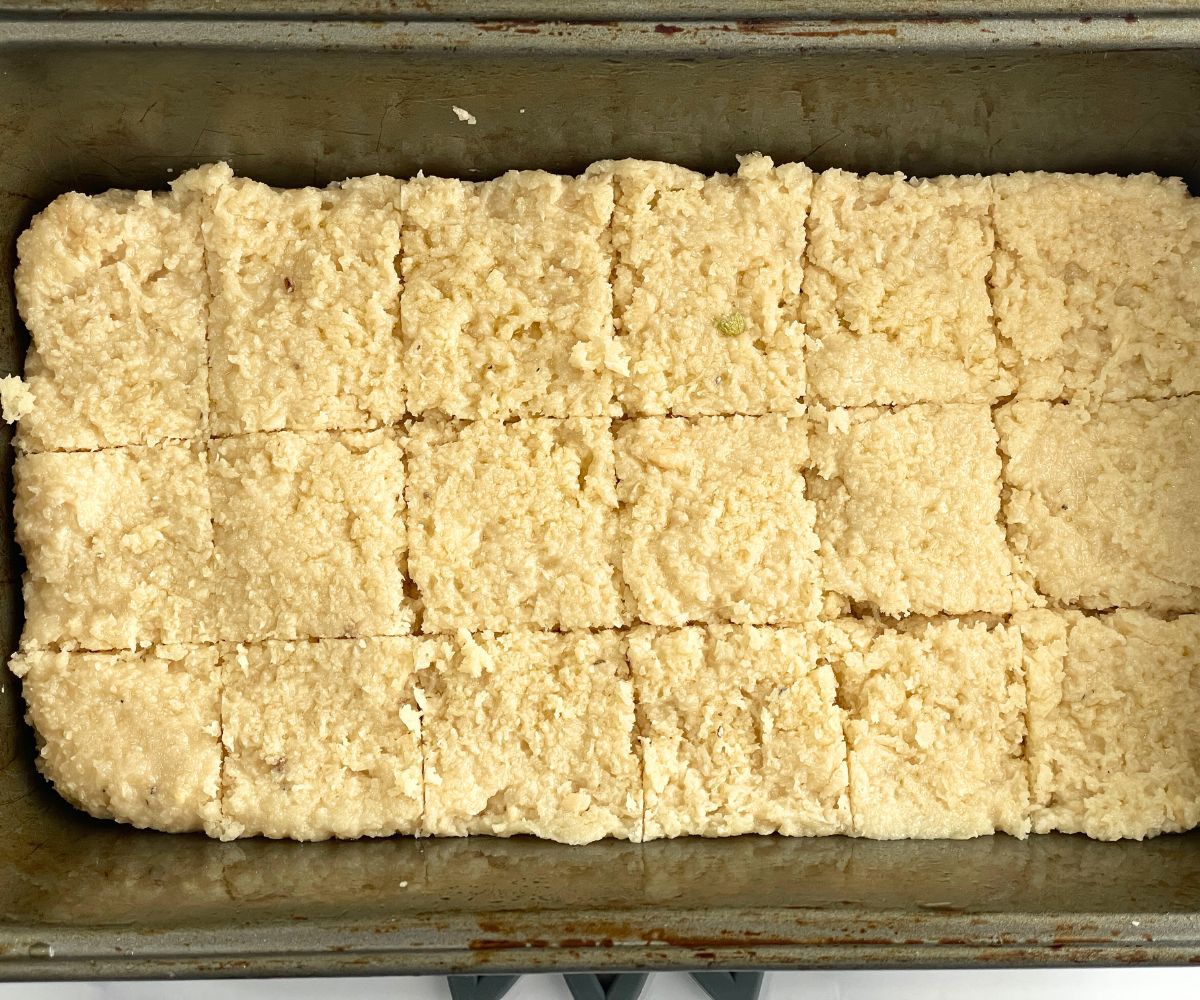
pixel 1095 285
pixel 706 285
pixel 309 534
pixel 514 525
pixel 507 304
pixel 935 726
pixel 715 524
pixel 130 736
pixel 532 733
pixel 323 739
pixel 114 291
pixel 740 732
pixel 305 305
pixel 908 502
pixel 895 291
pixel 1103 504
pixel 118 547
pixel 1113 749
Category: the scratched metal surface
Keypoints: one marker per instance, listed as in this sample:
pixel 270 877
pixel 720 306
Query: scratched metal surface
pixel 87 104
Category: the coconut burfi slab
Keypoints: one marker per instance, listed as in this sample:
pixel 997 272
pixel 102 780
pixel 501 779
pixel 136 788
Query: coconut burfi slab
pixel 1094 285
pixel 907 504
pixel 636 504
pixel 706 285
pixel 715 524
pixel 309 535
pixel 895 291
pixel 114 291
pixel 514 525
pixel 305 305
pixel 935 726
pixel 507 302
pixel 1114 750
pixel 323 738
pixel 740 732
pixel 118 547
pixel 1103 503
pixel 533 733
pixel 130 736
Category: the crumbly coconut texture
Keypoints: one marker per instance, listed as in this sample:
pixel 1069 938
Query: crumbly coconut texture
pixel 118 547
pixel 309 532
pixel 306 301
pixel 115 295
pixel 1095 285
pixel 895 291
pixel 1103 505
pixel 936 722
pixel 715 525
pixel 507 303
pixel 740 733
pixel 1114 750
pixel 323 739
pixel 706 285
pixel 907 508
pixel 514 525
pixel 533 733
pixel 130 736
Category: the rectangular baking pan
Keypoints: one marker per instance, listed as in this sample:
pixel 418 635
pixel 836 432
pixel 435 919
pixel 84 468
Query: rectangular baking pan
pixel 91 97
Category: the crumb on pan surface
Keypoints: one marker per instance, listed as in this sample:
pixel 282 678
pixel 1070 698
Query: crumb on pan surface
pixel 895 301
pixel 532 733
pixel 1103 504
pixel 907 506
pixel 935 725
pixel 740 732
pixel 1114 749
pixel 130 736
pixel 305 304
pixel 1094 285
pixel 323 738
pixel 126 561
pixel 507 303
pixel 706 285
pixel 715 524
pixel 114 292
pixel 514 525
pixel 310 536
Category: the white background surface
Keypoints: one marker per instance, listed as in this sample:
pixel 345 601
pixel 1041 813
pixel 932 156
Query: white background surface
pixel 1059 984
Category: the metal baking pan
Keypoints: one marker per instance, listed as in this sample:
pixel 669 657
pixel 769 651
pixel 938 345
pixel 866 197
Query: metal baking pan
pixel 91 97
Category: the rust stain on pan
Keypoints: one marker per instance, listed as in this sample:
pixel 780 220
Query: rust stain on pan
pixel 783 30
pixel 520 26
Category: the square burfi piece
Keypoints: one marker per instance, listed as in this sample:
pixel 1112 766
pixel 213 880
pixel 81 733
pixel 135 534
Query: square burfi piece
pixel 935 726
pixel 514 525
pixel 309 533
pixel 532 732
pixel 1094 285
pixel 306 304
pixel 130 736
pixel 323 739
pixel 706 286
pixel 1103 502
pixel 740 732
pixel 907 510
pixel 895 291
pixel 118 546
pixel 114 291
pixel 507 307
pixel 715 524
pixel 1114 750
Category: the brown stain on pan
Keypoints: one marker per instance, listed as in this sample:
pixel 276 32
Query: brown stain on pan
pixel 785 31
